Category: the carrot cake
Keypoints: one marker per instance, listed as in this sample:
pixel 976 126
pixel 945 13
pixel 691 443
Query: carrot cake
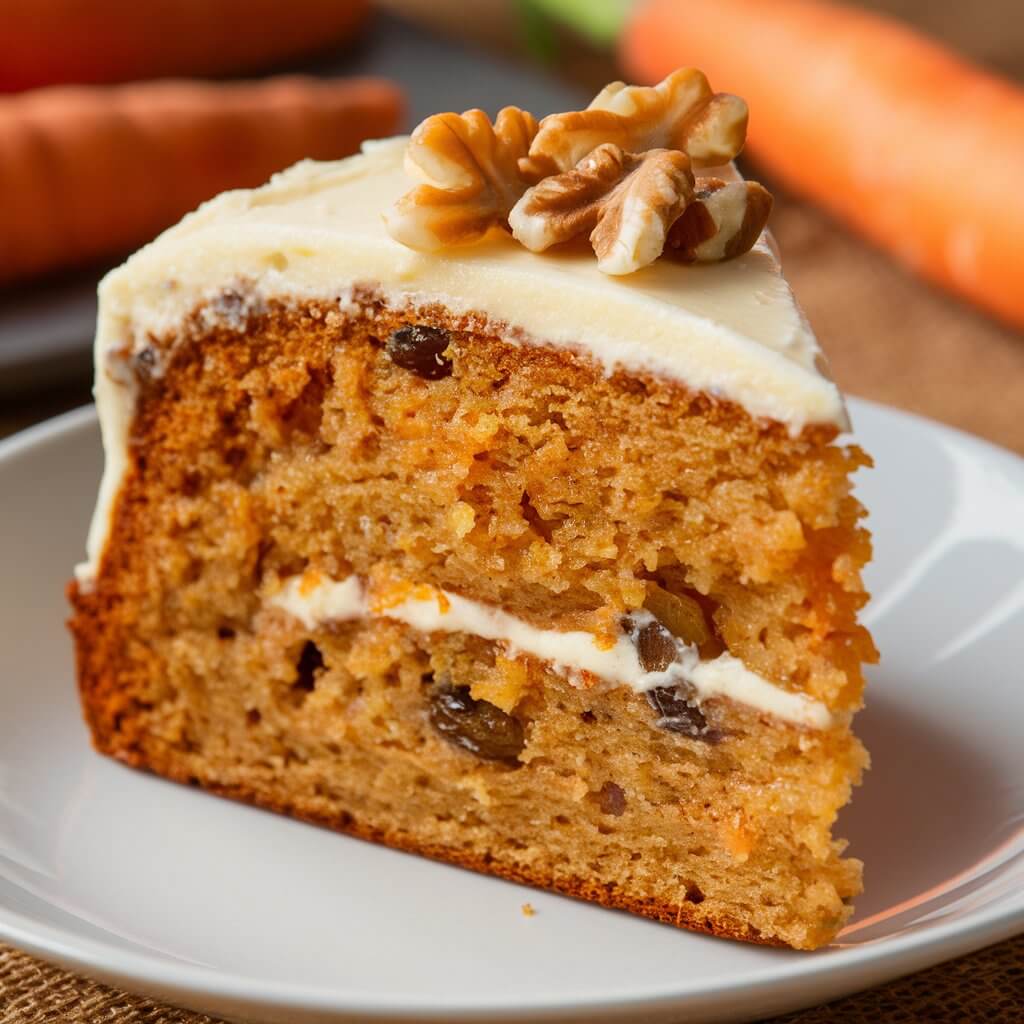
pixel 479 495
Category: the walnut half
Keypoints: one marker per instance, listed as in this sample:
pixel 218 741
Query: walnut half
pixel 636 207
pixel 472 178
pixel 724 220
pixel 680 112
pixel 627 203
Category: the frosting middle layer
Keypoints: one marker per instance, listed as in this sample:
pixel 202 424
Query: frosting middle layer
pixel 314 599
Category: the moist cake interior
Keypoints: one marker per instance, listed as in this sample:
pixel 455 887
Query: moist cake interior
pixel 483 495
pixel 301 442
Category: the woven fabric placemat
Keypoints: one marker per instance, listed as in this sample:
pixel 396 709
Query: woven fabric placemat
pixel 985 988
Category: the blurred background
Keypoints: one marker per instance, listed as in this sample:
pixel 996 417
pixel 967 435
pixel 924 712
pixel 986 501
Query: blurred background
pixel 99 151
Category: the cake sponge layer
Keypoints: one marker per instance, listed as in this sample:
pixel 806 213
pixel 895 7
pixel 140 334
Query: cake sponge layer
pixel 274 442
pixel 339 726
pixel 525 478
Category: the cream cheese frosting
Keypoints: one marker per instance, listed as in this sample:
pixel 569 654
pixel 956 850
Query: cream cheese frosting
pixel 732 329
pixel 315 600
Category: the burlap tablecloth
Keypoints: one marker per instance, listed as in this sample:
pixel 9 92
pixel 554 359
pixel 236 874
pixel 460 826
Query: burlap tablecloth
pixel 986 987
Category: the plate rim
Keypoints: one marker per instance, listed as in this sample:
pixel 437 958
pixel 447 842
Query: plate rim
pixel 851 969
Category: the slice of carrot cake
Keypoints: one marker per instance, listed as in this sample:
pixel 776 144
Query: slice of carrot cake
pixel 495 517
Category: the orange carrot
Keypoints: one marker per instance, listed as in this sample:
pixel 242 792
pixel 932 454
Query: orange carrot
pixel 52 42
pixel 904 141
pixel 88 173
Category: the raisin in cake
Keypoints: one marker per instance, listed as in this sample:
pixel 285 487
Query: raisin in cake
pixel 497 518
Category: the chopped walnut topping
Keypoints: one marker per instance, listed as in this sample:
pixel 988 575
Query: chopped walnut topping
pixel 724 220
pixel 680 113
pixel 621 171
pixel 627 203
pixel 471 174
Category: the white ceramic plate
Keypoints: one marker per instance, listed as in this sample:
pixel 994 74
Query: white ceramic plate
pixel 219 907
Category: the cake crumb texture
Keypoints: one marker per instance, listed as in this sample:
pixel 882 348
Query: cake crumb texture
pixel 515 475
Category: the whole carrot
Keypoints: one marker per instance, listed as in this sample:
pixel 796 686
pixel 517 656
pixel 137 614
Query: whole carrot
pixel 52 42
pixel 907 143
pixel 88 173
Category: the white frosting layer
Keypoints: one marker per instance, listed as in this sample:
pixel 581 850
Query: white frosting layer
pixel 314 600
pixel 315 231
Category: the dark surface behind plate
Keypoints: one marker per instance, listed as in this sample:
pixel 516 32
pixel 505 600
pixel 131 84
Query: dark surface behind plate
pixel 46 328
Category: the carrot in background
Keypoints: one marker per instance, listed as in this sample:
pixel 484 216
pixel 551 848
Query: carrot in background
pixel 51 42
pixel 91 172
pixel 909 144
